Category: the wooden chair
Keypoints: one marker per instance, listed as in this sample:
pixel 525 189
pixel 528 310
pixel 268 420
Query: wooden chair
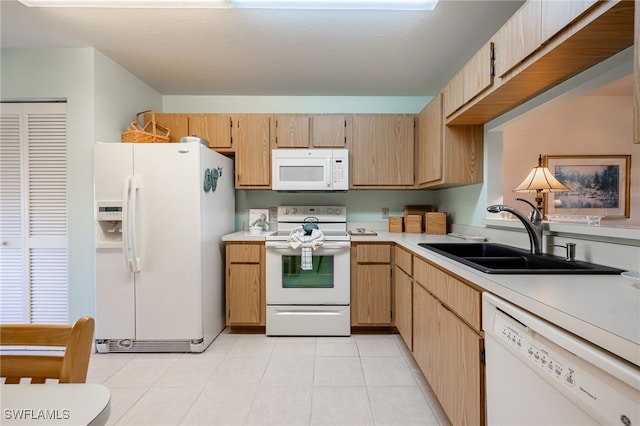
pixel 71 367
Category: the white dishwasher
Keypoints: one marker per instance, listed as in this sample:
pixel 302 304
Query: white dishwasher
pixel 539 374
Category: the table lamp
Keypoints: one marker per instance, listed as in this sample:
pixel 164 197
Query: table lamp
pixel 540 180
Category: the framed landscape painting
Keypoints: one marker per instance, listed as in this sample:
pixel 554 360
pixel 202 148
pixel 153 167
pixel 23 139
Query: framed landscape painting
pixel 598 185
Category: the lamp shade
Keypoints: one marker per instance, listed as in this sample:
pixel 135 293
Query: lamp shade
pixel 540 179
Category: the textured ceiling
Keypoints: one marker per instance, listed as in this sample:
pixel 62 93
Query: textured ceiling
pixel 269 52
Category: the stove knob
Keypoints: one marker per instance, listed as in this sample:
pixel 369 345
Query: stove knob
pixel 294 211
pixel 329 210
pixel 337 211
pixel 285 211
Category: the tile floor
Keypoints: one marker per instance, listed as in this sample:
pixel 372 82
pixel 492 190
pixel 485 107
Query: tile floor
pixel 251 379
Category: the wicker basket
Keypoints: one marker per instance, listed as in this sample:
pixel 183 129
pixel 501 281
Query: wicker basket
pixel 150 132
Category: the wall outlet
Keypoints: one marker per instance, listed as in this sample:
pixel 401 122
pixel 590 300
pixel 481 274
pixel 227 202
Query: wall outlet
pixel 385 212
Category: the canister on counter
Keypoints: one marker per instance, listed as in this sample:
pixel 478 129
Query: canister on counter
pixel 436 222
pixel 413 223
pixel 395 224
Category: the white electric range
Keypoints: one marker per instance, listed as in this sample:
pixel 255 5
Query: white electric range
pixel 308 287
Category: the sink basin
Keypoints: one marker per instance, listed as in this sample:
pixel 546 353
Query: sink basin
pixel 492 258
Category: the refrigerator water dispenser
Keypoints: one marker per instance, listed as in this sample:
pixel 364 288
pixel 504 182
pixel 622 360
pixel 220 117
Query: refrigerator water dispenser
pixel 109 229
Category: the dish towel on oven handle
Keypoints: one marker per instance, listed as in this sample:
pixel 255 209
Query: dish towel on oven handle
pixel 308 243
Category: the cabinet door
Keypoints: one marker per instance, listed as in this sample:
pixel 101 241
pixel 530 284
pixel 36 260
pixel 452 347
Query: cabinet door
pixel 403 306
pixel 329 131
pixel 253 151
pixel 373 288
pixel 178 124
pixel 426 335
pixel 243 294
pixel 461 392
pixel 555 15
pixel 472 79
pixel 290 131
pixel 215 128
pixel 453 94
pixel 478 73
pixel 429 166
pixel 382 150
pixel 517 38
pixel 461 155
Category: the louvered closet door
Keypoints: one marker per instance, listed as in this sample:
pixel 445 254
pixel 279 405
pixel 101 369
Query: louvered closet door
pixel 33 213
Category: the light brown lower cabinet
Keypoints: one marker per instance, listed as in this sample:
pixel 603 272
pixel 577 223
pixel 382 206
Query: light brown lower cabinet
pixel 371 295
pixel 403 295
pixel 447 349
pixel 245 284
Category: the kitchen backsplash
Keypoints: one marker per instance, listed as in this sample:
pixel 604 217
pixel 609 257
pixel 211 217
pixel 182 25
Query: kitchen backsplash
pixel 362 205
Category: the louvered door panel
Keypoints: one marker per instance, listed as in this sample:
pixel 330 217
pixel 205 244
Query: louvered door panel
pixel 13 277
pixel 47 161
pixel 13 286
pixel 49 295
pixel 47 213
pixel 10 190
pixel 33 209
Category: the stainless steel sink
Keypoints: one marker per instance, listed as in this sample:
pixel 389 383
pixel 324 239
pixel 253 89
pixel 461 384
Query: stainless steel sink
pixel 492 258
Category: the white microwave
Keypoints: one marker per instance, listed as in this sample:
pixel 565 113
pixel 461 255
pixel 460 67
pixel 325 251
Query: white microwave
pixel 310 169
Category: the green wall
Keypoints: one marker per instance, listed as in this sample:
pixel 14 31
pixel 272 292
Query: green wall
pixel 101 99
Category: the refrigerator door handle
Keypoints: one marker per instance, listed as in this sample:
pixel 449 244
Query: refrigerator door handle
pixel 125 224
pixel 131 261
pixel 134 260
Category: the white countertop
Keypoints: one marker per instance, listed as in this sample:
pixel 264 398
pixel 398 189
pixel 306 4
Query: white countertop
pixel 245 236
pixel 603 309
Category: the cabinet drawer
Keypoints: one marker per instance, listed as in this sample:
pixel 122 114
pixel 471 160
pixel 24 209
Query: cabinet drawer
pixel 244 253
pixel 461 298
pixel 404 260
pixel 373 253
pixel 424 275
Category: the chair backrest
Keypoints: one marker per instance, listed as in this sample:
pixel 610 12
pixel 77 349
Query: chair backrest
pixel 71 367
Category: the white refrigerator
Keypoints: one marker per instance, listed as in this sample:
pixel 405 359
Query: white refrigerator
pixel 161 210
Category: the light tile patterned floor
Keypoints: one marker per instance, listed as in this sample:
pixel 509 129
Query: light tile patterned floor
pixel 252 379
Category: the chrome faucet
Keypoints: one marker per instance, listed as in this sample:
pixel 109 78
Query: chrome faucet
pixel 533 225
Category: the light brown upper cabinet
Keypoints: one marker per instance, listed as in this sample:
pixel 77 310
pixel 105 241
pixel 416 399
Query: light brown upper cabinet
pixel 555 15
pixel 290 131
pixel 530 27
pixel 329 130
pixel 177 123
pixel 381 150
pixel 309 131
pixel 475 77
pixel 543 44
pixel 448 156
pixel 250 134
pixel 215 128
pixel 429 143
pixel 518 37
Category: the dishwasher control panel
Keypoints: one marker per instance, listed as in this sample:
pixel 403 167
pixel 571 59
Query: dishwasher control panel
pixel 604 397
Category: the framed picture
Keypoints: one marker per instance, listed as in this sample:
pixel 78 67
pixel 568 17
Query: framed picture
pixel 599 185
pixel 259 217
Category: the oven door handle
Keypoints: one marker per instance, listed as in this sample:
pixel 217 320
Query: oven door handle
pixel 278 246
